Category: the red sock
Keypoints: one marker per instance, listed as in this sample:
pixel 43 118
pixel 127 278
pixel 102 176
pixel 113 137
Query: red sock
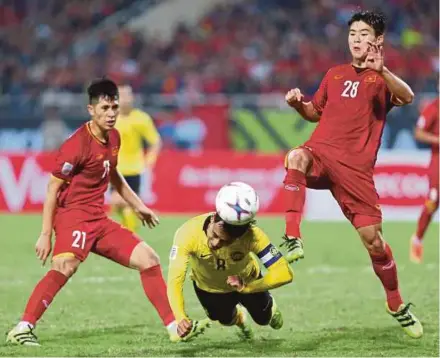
pixel 294 196
pixel 43 295
pixel 385 268
pixel 156 291
pixel 425 219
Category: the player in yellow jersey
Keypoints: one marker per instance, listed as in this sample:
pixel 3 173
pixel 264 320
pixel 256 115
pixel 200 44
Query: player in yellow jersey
pixel 225 273
pixel 134 126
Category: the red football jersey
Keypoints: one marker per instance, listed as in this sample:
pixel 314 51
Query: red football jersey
pixel 429 121
pixel 84 163
pixel 353 104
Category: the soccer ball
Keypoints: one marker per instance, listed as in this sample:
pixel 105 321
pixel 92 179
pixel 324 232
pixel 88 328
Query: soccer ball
pixel 237 203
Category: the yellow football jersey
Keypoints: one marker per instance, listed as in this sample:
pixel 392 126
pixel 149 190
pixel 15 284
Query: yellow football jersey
pixel 134 128
pixel 211 268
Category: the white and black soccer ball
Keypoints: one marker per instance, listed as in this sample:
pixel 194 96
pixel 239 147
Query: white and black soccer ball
pixel 237 203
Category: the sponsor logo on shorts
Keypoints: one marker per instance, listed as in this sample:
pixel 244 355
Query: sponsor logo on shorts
pixel 237 256
pixel 67 168
pixel 115 151
pixel 100 156
pixel 291 187
pixel 173 252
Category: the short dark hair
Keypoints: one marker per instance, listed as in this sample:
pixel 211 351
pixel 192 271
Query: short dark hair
pixel 102 87
pixel 233 230
pixel 376 19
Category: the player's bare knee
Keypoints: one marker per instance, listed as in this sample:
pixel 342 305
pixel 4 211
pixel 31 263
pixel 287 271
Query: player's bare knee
pixel 372 238
pixel 144 257
pixel 66 265
pixel 299 159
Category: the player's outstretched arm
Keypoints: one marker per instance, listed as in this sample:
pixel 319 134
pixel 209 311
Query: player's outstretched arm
pixel 294 99
pixel 401 91
pixel 44 242
pixel 152 154
pixel 178 266
pixel 152 137
pixel 146 215
pixel 425 137
pixel 278 274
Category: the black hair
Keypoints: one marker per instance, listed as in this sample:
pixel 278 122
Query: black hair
pixel 376 19
pixel 102 87
pixel 234 230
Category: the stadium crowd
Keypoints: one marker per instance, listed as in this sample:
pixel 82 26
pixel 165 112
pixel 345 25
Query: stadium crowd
pixel 281 43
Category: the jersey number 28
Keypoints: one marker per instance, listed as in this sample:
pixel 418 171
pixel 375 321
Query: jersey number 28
pixel 351 89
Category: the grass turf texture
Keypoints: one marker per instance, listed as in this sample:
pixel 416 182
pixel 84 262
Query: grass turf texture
pixel 334 307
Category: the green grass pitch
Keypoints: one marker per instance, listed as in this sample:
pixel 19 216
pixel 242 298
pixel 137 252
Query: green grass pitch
pixel 334 307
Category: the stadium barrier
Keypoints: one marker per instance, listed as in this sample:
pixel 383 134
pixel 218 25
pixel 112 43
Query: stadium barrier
pixel 185 182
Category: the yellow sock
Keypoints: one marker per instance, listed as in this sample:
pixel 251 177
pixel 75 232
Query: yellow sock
pixel 239 318
pixel 130 220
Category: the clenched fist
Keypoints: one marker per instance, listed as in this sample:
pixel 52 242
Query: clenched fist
pixel 294 97
pixel 235 282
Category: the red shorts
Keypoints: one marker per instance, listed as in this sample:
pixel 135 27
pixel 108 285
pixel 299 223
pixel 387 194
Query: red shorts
pixel 104 237
pixel 352 188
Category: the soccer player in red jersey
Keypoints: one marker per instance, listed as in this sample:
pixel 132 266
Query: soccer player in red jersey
pixel 74 209
pixel 427 131
pixel 350 107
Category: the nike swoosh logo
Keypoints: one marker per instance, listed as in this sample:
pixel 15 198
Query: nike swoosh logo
pixel 388 266
pixel 203 256
pixel 291 187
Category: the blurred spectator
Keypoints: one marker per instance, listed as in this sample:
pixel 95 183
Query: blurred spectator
pixel 253 46
pixel 190 132
pixel 53 130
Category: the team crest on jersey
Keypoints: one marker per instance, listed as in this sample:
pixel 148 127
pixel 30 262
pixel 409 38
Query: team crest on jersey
pixel 370 79
pixel 338 77
pixel 115 151
pixel 237 256
pixel 67 168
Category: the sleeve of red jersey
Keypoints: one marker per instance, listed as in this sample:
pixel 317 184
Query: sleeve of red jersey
pixel 67 159
pixel 426 119
pixel 320 97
